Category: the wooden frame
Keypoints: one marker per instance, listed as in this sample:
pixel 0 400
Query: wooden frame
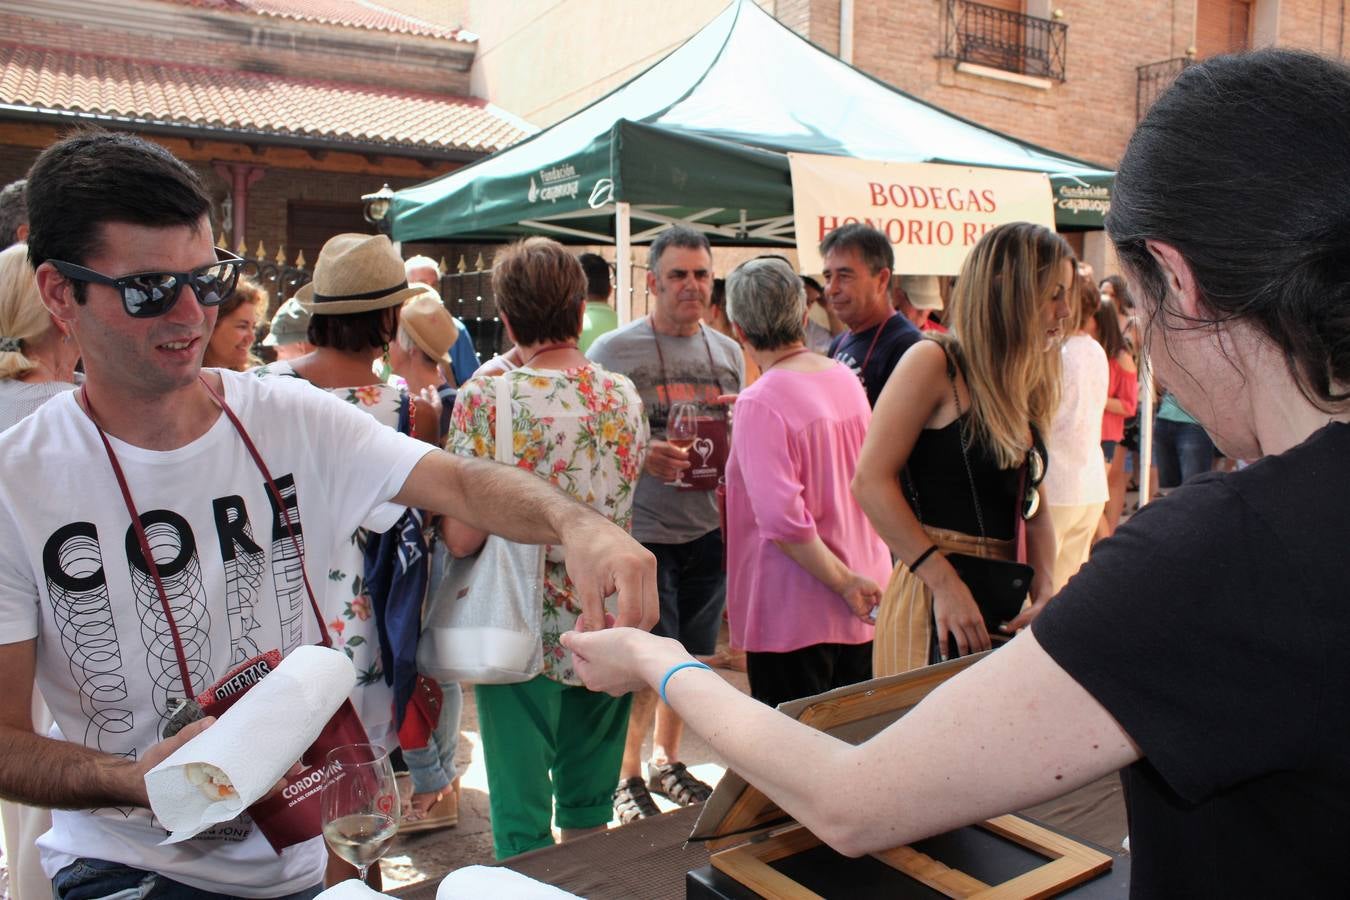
pixel 738 812
pixel 882 700
pixel 1069 863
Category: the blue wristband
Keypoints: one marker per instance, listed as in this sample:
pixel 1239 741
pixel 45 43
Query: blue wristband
pixel 665 679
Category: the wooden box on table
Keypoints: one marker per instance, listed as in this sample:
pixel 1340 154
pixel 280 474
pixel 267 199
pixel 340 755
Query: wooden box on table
pixel 756 850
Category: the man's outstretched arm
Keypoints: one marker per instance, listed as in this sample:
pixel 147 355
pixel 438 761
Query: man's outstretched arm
pixel 69 775
pixel 519 506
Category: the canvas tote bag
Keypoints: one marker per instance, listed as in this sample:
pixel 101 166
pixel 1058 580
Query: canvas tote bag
pixel 483 620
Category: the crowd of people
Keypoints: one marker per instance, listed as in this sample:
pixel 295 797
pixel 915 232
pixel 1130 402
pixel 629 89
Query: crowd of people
pixel 845 468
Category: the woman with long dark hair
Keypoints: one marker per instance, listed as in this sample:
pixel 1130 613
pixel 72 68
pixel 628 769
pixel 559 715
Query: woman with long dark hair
pixel 1201 649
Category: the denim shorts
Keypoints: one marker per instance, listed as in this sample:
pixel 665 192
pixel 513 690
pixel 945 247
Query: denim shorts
pixel 98 879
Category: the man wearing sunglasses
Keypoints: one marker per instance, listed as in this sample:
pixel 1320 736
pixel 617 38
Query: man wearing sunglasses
pixel 122 245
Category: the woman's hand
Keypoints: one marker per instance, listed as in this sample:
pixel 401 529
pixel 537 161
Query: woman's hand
pixel 620 660
pixel 957 614
pixel 862 596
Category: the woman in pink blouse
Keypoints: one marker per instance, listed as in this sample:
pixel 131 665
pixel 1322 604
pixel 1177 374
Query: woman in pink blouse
pixel 803 563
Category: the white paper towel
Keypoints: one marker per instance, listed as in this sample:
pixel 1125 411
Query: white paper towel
pixel 254 742
pixel 476 882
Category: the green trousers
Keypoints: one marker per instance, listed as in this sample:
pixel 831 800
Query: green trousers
pixel 544 740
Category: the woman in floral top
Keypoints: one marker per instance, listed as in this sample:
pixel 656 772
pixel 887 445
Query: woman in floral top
pixel 583 429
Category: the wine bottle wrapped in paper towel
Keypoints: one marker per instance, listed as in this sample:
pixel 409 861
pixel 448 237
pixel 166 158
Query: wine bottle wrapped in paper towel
pixel 229 766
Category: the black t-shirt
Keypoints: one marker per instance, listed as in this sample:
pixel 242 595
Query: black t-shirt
pixel 898 334
pixel 1215 627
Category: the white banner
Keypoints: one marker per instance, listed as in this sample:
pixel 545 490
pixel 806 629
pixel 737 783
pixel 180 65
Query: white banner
pixel 933 214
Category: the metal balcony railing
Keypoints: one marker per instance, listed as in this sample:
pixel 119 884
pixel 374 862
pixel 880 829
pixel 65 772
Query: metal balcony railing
pixel 1153 79
pixel 1013 42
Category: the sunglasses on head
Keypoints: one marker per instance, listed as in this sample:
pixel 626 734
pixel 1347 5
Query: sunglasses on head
pixel 149 294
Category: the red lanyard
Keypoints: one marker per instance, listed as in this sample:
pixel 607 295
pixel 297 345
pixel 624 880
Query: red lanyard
pixel 872 346
pixel 145 543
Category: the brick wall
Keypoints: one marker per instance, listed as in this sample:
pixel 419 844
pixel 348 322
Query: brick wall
pixel 1089 115
pixel 1316 26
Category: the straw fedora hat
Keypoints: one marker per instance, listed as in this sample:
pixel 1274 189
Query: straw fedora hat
pixel 430 325
pixel 356 273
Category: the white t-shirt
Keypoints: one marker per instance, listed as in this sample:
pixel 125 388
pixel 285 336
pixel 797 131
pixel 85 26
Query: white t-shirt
pixel 105 661
pixel 1076 475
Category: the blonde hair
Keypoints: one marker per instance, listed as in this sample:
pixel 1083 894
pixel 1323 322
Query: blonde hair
pixel 998 335
pixel 22 315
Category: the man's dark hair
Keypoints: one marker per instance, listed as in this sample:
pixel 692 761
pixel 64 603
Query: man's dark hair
pixel 871 244
pixel 676 236
pixel 597 275
pixel 13 212
pixel 354 332
pixel 94 177
pixel 1241 165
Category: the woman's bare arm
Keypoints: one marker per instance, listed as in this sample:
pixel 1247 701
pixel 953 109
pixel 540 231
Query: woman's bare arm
pixel 1012 731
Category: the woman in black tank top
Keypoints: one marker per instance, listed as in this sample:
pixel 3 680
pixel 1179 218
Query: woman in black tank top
pixel 946 464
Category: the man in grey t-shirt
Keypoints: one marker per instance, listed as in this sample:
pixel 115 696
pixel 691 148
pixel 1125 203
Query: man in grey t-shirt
pixel 672 357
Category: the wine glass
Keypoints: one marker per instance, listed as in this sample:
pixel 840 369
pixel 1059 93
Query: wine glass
pixel 360 804
pixel 681 430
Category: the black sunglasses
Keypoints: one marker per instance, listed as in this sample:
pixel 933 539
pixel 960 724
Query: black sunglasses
pixel 149 294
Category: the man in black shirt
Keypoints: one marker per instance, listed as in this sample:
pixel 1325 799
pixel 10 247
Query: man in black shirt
pixel 858 262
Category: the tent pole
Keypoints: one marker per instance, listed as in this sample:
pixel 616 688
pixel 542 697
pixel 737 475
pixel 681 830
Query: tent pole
pixel 623 262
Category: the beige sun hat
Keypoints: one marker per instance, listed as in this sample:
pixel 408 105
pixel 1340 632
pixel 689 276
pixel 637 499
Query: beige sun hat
pixel 356 273
pixel 430 325
pixel 922 291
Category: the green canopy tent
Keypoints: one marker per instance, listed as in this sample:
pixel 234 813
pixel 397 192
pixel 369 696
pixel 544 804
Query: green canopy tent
pixel 701 137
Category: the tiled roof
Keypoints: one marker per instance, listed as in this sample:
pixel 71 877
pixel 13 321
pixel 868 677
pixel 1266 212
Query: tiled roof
pixel 249 102
pixel 354 13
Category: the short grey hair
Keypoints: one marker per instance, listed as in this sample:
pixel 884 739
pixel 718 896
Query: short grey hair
pixel 13 211
pixel 768 301
pixel 676 236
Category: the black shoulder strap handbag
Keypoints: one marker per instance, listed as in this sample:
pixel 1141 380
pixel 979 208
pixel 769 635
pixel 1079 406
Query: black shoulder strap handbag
pixel 999 587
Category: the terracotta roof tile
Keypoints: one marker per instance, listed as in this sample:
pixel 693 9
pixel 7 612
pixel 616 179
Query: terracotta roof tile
pixel 353 13
pixel 249 102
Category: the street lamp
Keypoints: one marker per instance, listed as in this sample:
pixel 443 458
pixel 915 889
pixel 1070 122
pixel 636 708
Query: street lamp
pixel 377 208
